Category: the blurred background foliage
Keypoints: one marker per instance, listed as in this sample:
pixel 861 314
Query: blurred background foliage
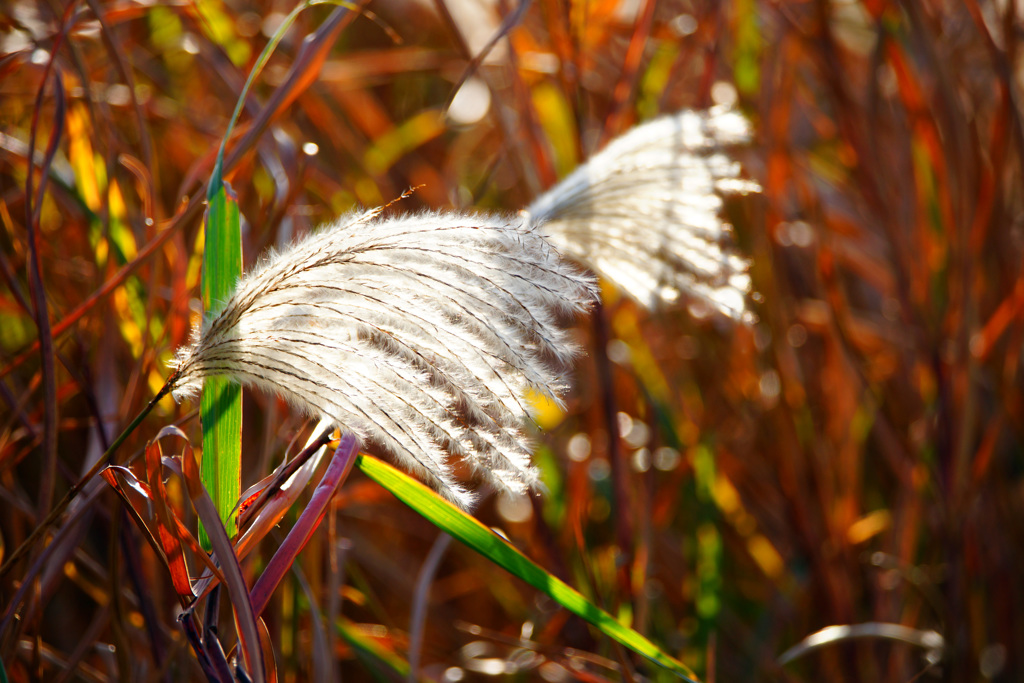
pixel 854 457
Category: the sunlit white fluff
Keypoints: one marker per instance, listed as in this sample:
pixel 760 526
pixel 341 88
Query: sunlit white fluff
pixel 645 212
pixel 420 333
pixel 424 333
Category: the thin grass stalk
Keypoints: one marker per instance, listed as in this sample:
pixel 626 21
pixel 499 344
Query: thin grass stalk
pixel 336 579
pixel 51 555
pixel 421 601
pixel 103 460
pixel 133 565
pixel 322 664
pixel 36 287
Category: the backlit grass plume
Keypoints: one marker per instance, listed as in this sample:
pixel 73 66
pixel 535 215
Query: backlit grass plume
pixel 423 334
pixel 645 212
pixel 419 333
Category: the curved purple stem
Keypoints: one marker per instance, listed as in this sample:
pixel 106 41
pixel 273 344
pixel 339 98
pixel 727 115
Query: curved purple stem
pixel 337 471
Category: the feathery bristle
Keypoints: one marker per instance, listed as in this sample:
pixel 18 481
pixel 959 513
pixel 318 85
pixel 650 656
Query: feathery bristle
pixel 645 212
pixel 421 333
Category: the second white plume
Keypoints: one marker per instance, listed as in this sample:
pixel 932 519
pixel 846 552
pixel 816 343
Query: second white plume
pixel 645 212
pixel 420 333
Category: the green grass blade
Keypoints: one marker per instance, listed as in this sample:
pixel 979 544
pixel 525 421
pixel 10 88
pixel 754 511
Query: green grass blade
pixel 472 533
pixel 220 407
pixel 221 403
pixel 261 61
pixel 216 177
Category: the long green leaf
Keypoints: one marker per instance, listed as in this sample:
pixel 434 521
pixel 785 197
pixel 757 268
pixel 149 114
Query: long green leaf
pixel 221 403
pixel 220 408
pixel 472 533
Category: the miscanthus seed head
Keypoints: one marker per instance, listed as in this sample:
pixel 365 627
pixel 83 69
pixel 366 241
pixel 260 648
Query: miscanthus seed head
pixel 645 212
pixel 422 334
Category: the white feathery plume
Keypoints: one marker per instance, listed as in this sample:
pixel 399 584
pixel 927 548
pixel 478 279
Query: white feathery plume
pixel 420 333
pixel 645 211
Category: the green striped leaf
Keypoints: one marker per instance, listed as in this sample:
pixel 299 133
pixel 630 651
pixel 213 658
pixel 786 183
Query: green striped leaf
pixel 472 533
pixel 220 407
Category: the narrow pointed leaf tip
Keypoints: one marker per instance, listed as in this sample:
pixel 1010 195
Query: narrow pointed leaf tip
pixel 645 212
pixel 419 333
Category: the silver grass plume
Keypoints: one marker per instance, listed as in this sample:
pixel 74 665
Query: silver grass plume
pixel 645 211
pixel 420 333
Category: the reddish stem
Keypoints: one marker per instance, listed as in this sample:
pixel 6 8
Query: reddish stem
pixel 337 471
